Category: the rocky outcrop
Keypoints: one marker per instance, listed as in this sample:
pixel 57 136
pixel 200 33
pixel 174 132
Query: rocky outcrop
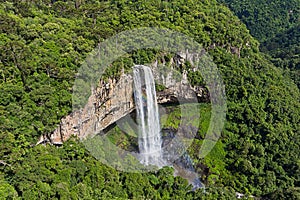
pixel 110 101
pixel 183 94
pixel 113 99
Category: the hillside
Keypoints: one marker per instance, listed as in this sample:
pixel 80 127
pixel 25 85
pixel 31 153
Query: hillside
pixel 284 50
pixel 266 18
pixel 276 25
pixel 44 43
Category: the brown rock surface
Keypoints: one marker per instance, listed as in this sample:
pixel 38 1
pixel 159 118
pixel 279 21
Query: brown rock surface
pixel 113 99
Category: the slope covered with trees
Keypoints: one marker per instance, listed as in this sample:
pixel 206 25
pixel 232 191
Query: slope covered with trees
pixel 266 18
pixel 43 43
pixel 284 50
pixel 276 25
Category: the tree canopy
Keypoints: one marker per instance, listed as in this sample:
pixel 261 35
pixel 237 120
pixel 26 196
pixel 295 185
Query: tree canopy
pixel 43 44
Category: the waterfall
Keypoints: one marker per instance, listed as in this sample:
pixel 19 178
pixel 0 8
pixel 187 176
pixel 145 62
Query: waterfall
pixel 149 136
pixel 149 132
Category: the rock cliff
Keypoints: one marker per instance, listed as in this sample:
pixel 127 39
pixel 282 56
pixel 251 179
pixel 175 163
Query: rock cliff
pixel 113 99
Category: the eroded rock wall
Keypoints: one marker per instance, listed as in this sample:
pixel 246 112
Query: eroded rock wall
pixel 110 101
pixel 113 99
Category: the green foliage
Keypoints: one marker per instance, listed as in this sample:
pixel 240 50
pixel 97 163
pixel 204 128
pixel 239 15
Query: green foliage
pixel 276 25
pixel 7 191
pixel 43 44
pixel 284 49
pixel 266 18
pixel 287 193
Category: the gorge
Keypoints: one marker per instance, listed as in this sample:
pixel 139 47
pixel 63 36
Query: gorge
pixel 115 98
pixel 112 99
pixel 44 45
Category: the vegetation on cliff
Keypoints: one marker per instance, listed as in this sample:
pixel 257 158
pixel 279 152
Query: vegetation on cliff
pixel 43 44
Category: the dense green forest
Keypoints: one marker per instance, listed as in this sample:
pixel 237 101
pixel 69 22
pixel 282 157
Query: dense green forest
pixel 266 18
pixel 276 25
pixel 43 44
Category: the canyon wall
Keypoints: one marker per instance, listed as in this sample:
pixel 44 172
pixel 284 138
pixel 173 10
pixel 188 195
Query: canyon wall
pixel 113 99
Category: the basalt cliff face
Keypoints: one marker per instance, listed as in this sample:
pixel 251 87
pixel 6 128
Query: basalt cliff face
pixel 113 99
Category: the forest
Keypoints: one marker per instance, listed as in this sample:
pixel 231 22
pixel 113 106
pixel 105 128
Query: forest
pixel 276 25
pixel 255 46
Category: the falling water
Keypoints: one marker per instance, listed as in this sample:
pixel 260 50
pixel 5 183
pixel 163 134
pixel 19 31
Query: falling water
pixel 147 116
pixel 149 140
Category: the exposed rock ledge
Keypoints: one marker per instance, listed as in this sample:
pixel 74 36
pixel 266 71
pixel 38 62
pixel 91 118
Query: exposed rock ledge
pixel 112 100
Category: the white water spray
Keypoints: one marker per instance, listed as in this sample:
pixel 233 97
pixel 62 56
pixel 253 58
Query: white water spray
pixel 149 138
